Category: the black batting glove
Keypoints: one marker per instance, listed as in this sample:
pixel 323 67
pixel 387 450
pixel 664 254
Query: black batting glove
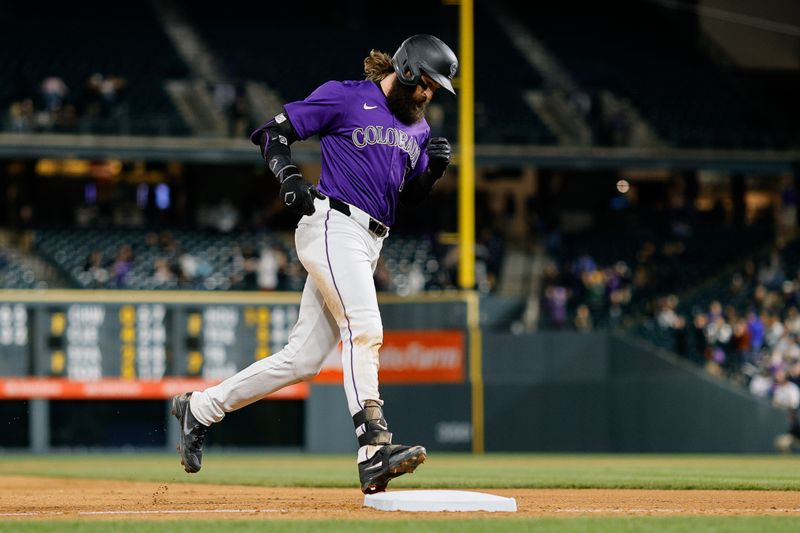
pixel 438 156
pixel 298 194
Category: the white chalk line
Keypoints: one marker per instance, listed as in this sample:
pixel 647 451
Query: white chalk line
pixel 153 512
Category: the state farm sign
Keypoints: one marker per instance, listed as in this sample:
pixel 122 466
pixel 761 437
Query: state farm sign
pixel 410 357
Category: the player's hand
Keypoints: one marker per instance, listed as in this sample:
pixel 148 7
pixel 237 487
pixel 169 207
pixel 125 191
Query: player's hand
pixel 298 195
pixel 438 155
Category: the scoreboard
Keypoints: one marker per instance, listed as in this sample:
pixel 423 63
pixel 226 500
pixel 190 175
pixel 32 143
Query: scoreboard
pixel 150 336
pixel 87 341
pixel 14 335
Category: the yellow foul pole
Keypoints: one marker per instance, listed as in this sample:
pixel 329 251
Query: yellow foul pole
pixel 466 214
pixel 466 148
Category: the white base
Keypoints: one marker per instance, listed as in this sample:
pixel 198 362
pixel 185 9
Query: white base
pixel 439 500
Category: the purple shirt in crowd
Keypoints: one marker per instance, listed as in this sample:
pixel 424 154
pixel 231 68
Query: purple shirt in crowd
pixel 367 153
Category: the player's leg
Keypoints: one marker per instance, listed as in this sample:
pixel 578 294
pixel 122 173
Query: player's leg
pixel 338 255
pixel 342 261
pixel 313 337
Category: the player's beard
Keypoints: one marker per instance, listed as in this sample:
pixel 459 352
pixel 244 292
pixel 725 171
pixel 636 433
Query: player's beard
pixel 405 104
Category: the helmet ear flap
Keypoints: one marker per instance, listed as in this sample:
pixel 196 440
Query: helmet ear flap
pixel 402 64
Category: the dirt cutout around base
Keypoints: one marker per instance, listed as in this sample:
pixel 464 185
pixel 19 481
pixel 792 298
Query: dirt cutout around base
pixel 29 498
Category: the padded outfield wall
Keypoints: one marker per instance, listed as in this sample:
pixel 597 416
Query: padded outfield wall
pixel 595 392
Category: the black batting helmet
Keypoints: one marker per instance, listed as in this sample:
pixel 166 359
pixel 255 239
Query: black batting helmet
pixel 425 53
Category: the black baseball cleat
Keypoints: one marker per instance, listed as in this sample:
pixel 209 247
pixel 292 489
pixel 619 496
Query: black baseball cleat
pixel 193 433
pixel 390 461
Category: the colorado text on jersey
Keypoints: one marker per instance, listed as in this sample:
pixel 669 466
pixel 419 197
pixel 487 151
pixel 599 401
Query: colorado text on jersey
pixel 390 137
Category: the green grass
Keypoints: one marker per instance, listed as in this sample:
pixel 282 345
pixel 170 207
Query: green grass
pixel 441 471
pixel 744 524
pixel 456 471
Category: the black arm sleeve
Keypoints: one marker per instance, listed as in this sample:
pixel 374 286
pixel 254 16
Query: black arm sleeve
pixel 416 190
pixel 274 138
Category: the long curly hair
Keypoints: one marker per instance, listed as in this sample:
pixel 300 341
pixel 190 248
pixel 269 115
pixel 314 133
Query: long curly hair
pixel 377 65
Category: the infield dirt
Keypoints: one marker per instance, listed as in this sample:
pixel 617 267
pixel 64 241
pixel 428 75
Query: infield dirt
pixel 59 498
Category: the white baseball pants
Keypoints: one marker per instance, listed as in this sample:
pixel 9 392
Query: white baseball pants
pixel 339 302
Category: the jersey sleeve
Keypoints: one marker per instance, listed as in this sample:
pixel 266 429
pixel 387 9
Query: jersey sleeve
pixel 320 112
pixel 422 161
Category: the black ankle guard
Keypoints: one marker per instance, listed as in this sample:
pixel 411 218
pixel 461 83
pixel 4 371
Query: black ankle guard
pixel 371 424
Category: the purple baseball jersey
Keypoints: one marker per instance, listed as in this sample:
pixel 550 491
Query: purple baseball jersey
pixel 367 153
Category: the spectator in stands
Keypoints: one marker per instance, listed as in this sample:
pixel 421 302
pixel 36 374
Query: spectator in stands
pixel 772 275
pixel 113 90
pixel 787 214
pixel 786 351
pixel 740 346
pixel 790 441
pixel 719 332
pixel 96 268
pixel 226 216
pixel 761 384
pixel 583 318
pixel 22 116
pixel 410 279
pixel 555 299
pixel 54 91
pixel 714 311
pixel 786 394
pixel 794 373
pixel 162 274
pixel 618 298
pixel 618 282
pixel 594 287
pixel 193 270
pixel 271 268
pixel 737 287
pixel 773 329
pixel 665 314
pixel 188 267
pixel 450 264
pixel 756 328
pixel 122 266
pixel 760 298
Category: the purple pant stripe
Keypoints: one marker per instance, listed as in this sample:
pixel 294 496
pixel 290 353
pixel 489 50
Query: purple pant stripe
pixel 330 268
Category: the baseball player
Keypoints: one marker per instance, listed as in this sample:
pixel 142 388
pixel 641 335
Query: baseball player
pixel 376 152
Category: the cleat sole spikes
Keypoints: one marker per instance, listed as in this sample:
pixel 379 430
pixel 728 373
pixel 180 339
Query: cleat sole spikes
pixel 408 465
